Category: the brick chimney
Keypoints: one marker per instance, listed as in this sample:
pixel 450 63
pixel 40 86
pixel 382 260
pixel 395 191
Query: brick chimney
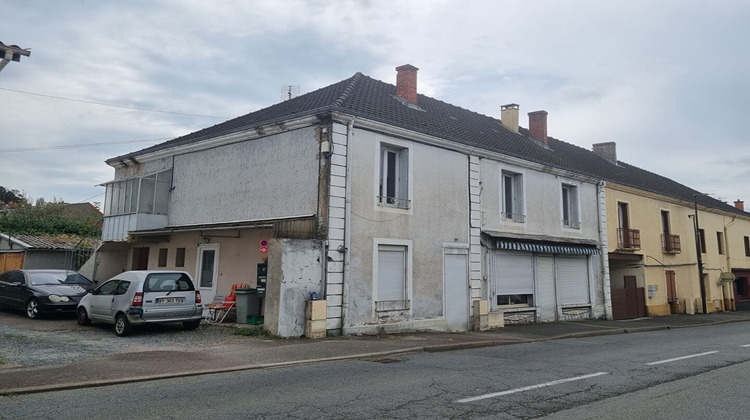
pixel 509 117
pixel 538 125
pixel 740 204
pixel 406 82
pixel 606 150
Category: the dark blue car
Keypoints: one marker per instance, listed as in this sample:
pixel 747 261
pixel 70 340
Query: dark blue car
pixel 43 291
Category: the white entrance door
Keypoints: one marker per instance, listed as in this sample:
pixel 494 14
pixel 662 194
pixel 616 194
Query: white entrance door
pixel 456 272
pixel 207 271
pixel 546 293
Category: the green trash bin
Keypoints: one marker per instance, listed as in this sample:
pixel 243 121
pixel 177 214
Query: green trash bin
pixel 248 304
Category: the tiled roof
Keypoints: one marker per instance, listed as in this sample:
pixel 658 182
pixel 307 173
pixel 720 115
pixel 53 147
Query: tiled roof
pixel 43 242
pixel 81 210
pixel 372 99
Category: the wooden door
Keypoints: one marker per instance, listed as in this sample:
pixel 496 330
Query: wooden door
pixel 629 302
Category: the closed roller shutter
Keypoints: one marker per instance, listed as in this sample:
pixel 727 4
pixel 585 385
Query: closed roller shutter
pixel 573 280
pixel 514 273
pixel 391 273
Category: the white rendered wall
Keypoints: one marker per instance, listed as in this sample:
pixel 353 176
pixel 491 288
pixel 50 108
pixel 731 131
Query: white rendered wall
pixel 542 198
pixel 270 177
pixel 439 214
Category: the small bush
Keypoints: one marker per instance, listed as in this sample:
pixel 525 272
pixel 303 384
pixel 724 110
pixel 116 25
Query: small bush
pixel 258 332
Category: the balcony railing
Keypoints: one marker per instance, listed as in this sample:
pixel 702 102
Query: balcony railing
pixel 516 217
pixel 670 243
pixel 401 203
pixel 572 224
pixel 628 239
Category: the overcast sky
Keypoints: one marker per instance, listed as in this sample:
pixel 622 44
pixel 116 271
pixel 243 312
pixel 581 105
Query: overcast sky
pixel 665 80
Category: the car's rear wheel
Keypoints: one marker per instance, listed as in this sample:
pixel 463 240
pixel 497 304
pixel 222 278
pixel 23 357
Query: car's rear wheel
pixel 122 326
pixel 32 308
pixel 82 317
pixel 191 325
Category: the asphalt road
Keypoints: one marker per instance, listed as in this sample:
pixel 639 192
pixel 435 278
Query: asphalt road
pixel 509 382
pixel 717 394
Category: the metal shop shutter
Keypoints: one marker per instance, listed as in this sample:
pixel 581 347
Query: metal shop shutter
pixel 514 273
pixel 573 280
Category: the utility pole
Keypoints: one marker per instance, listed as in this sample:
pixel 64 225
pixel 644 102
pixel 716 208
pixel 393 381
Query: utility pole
pixel 10 53
pixel 699 250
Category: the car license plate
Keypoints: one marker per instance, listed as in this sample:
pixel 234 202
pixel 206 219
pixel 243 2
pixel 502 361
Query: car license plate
pixel 169 300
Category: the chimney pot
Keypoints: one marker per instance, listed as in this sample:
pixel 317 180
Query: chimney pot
pixel 606 150
pixel 740 204
pixel 538 125
pixel 406 82
pixel 509 117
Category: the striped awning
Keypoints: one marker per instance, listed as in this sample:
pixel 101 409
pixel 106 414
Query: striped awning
pixel 547 248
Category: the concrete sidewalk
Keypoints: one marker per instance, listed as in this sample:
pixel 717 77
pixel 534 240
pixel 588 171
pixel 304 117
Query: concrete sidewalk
pixel 256 353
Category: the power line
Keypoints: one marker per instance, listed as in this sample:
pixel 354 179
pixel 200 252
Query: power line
pixel 113 105
pixel 87 199
pixel 76 146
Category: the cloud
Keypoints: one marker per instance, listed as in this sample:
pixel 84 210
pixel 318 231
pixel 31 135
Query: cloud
pixel 665 80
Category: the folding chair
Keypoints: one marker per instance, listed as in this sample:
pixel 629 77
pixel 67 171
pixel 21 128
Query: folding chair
pixel 220 307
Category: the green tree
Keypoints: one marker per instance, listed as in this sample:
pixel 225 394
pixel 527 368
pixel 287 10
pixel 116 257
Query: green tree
pixel 7 195
pixel 46 219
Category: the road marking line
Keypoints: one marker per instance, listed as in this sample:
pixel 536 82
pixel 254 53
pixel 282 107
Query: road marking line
pixel 681 358
pixel 746 345
pixel 528 388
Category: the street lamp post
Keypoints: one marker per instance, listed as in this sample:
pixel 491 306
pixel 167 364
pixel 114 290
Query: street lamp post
pixel 10 53
pixel 698 250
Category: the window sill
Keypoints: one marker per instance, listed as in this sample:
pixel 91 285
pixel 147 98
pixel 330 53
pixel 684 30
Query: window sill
pixel 392 305
pixel 393 203
pixel 515 308
pixel 576 305
pixel 572 225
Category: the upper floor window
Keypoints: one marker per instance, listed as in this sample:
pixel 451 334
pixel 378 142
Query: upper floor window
pixel 747 246
pixel 627 238
pixel 148 194
pixel 570 214
pixel 512 197
pixel 394 177
pixel 702 240
pixel 720 242
pixel 669 243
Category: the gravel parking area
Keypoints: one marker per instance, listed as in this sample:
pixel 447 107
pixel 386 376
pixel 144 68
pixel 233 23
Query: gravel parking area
pixel 28 343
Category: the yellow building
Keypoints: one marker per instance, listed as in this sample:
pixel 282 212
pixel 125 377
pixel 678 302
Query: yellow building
pixel 653 236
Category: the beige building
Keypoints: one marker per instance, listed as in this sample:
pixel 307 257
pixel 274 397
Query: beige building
pixel 652 245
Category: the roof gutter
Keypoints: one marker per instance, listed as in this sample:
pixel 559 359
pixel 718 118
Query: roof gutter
pixel 264 128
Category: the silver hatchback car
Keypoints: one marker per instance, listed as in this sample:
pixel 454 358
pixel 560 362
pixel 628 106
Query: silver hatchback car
pixel 136 298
